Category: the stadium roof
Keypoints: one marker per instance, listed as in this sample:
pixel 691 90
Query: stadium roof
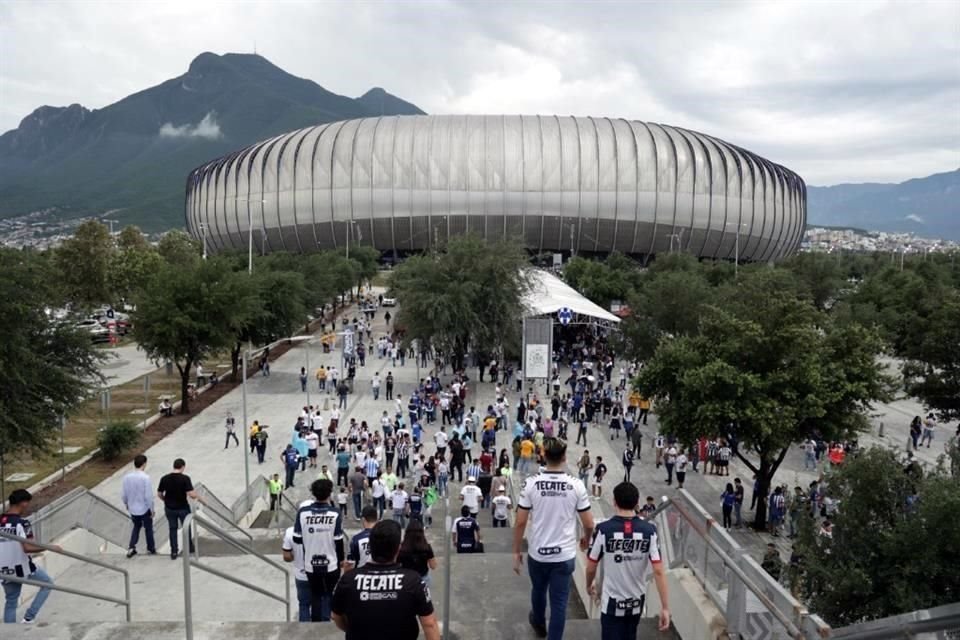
pixel 548 294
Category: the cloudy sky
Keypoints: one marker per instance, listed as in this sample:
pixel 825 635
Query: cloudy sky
pixel 840 91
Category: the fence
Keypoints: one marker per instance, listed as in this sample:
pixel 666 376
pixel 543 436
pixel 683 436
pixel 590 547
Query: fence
pixel 757 607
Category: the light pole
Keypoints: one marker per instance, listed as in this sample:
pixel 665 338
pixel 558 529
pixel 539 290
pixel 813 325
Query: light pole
pixel 679 237
pixel 111 223
pixel 736 250
pixel 203 229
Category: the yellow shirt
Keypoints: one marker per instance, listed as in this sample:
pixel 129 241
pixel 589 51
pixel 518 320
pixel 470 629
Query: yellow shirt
pixel 321 374
pixel 526 449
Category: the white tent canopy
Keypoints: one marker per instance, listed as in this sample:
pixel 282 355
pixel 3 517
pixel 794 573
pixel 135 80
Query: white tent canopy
pixel 548 294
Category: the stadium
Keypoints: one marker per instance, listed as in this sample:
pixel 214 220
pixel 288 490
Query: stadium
pixel 561 184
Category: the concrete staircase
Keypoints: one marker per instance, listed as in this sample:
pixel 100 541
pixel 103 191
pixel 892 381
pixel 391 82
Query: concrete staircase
pixel 487 600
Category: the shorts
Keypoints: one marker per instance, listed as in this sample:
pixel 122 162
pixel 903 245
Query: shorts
pixel 723 463
pixel 312 453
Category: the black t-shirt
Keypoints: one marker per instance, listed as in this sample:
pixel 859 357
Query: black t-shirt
pixel 175 487
pixel 416 560
pixel 377 597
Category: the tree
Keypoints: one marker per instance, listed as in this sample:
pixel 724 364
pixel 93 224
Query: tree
pixel 130 238
pixel 602 282
pixel 280 308
pixel 46 368
pixel 179 248
pixel 764 360
pixel 366 262
pixel 189 311
pixel 83 262
pixel 131 268
pixel 933 372
pixel 892 538
pixel 471 294
pixel 819 275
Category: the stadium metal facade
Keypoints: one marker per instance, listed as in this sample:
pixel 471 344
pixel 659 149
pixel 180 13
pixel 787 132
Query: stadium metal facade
pixel 403 183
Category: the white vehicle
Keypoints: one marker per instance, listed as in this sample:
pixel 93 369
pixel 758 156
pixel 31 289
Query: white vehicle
pixel 98 332
pixel 389 302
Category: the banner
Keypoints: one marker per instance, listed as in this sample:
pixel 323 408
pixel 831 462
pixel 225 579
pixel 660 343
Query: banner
pixel 537 348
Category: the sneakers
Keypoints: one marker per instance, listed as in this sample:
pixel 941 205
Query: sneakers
pixel 539 629
pixel 173 555
pixel 27 621
pixel 131 553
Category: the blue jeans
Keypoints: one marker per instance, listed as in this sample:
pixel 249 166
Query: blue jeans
pixel 174 518
pixel 145 522
pixel 11 592
pixel 357 504
pixel 555 577
pixel 303 600
pixel 618 628
pixel 442 484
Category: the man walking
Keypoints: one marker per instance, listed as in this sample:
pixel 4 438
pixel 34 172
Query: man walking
pixel 15 562
pixel 137 496
pixel 231 427
pixel 381 597
pixel 359 553
pixel 174 489
pixel 551 502
pixel 294 553
pixel 628 547
pixel 389 385
pixel 318 528
pixel 627 462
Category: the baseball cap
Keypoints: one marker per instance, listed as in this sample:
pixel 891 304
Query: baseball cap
pixel 471 479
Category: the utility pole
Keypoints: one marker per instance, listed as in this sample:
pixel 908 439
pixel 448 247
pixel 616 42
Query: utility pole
pixel 573 250
pixel 203 229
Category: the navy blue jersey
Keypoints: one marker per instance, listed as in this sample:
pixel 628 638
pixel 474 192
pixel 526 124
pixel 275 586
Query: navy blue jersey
pixel 466 530
pixel 359 553
pixel 628 547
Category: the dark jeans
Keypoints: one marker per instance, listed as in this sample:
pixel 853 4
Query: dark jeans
pixel 303 601
pixel 555 578
pixel 261 453
pixel 669 473
pixel 618 627
pixel 342 475
pixel 231 434
pixel 146 523
pixel 500 523
pixel 582 433
pixel 174 518
pixel 291 472
pixel 357 504
pixel 321 593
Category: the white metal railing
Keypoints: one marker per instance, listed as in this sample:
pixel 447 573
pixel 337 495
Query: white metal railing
pixel 943 621
pixel 125 601
pixel 189 561
pixel 730 577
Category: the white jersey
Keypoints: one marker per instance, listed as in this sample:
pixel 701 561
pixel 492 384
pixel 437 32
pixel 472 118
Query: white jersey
pixel 628 549
pixel 471 495
pixel 554 499
pixel 297 550
pixel 14 561
pixel 501 507
pixel 317 529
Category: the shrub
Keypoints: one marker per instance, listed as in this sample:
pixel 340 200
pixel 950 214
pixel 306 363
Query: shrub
pixel 117 438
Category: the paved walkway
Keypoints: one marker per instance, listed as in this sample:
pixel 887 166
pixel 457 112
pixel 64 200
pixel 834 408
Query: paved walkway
pixel 125 363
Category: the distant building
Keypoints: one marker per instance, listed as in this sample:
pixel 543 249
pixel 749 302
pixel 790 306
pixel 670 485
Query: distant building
pixel 405 183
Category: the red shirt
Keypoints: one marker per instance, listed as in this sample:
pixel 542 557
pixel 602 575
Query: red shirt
pixel 486 461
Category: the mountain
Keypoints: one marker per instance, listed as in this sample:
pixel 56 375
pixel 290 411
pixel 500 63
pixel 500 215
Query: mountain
pixel 133 156
pixel 928 207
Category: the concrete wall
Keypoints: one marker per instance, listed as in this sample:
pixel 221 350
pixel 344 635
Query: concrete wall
pixel 694 614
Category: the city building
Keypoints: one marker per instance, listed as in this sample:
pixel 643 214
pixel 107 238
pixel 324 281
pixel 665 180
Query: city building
pixel 591 185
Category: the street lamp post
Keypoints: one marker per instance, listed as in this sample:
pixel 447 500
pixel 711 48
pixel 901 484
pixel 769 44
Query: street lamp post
pixel 736 249
pixel 203 229
pixel 246 425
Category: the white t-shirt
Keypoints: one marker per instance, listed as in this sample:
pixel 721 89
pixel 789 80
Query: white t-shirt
pixel 554 498
pixel 681 463
pixel 440 438
pixel 471 495
pixel 399 499
pixel 671 455
pixel 313 441
pixel 376 488
pixel 297 549
pixel 501 507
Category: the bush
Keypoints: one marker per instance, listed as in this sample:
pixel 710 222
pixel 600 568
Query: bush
pixel 117 438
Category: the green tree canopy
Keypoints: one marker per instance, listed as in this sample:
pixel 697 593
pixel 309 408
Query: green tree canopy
pixel 83 263
pixel 893 539
pixel 766 361
pixel 191 310
pixel 468 295
pixel 932 373
pixel 46 368
pixel 602 281
pixel 179 248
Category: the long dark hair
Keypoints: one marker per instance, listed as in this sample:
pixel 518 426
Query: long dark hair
pixel 414 540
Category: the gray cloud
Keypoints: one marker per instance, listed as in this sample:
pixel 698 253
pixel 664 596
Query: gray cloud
pixel 866 91
pixel 206 128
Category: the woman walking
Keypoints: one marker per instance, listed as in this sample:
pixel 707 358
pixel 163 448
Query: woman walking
pixel 727 499
pixel 416 553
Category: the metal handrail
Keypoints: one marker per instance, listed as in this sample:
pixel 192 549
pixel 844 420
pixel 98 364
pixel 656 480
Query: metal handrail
pixel 76 556
pixel 188 562
pixel 213 503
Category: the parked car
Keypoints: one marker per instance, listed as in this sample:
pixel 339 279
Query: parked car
pixel 389 302
pixel 121 320
pixel 98 332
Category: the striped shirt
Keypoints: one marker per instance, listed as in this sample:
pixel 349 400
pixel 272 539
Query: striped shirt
pixel 628 549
